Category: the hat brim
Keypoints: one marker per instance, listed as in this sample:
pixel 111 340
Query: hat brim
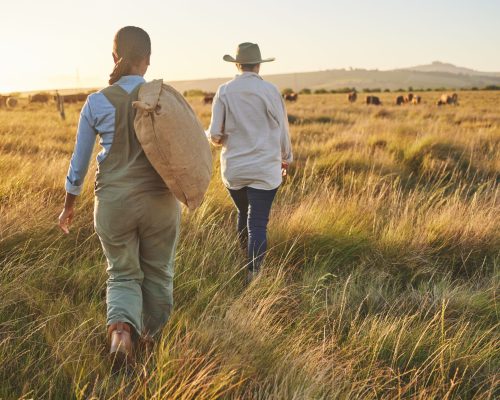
pixel 229 58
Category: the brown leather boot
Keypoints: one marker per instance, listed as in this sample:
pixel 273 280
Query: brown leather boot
pixel 120 345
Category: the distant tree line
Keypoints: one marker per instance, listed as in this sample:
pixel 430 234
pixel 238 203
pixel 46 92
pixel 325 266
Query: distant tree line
pixel 380 90
pixel 193 93
pixel 200 93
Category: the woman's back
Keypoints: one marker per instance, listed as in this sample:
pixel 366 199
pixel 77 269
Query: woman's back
pixel 251 114
pixel 125 171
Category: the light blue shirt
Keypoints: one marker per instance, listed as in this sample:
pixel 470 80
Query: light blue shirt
pixel 96 118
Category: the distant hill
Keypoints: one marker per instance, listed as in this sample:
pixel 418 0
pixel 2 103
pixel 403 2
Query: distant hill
pixel 438 66
pixel 435 75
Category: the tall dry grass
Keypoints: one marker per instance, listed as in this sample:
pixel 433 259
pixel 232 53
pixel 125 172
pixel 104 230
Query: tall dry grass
pixel 381 280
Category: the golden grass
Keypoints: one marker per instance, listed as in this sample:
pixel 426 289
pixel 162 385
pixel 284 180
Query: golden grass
pixel 380 283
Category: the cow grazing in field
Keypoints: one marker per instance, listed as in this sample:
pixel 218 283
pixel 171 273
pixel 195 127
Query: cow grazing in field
pixel 416 100
pixel 374 100
pixel 400 100
pixel 409 97
pixel 448 99
pixel 73 98
pixel 291 97
pixel 208 98
pixel 11 102
pixel 352 97
pixel 39 98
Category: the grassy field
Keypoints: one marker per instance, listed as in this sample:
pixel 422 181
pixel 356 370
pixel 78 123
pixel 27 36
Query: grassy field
pixel 381 281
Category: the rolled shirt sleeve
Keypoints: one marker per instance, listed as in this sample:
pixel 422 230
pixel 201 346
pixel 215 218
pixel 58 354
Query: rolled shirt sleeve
pixel 80 160
pixel 216 128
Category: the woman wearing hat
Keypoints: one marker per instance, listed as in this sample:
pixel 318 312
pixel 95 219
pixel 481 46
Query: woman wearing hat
pixel 136 217
pixel 249 120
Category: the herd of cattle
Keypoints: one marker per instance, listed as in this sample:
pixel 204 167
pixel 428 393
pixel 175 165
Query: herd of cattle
pixel 410 98
pixel 352 97
pixel 12 102
pixel 68 98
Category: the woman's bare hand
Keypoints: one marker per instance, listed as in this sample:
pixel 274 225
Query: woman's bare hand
pixel 284 168
pixel 65 219
pixel 217 141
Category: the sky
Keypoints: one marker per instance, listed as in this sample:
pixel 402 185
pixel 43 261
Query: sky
pixel 68 43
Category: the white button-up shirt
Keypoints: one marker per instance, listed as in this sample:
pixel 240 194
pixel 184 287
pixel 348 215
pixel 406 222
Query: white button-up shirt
pixel 249 116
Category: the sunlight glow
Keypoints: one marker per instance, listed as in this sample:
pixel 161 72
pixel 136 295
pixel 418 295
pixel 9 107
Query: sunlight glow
pixel 57 44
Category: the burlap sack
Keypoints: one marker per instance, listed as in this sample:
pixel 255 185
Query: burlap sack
pixel 174 141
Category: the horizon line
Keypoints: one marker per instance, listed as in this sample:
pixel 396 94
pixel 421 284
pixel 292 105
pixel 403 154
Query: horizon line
pixel 349 69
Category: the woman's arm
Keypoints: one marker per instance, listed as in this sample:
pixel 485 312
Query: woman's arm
pixel 215 131
pixel 286 145
pixel 79 165
pixel 66 216
pixel 80 160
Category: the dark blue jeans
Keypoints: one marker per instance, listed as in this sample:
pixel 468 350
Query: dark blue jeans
pixel 254 206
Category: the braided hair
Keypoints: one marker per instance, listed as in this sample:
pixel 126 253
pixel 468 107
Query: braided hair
pixel 130 46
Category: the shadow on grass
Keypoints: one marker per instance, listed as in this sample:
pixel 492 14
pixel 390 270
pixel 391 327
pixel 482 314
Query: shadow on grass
pixel 339 252
pixel 448 158
pixel 426 167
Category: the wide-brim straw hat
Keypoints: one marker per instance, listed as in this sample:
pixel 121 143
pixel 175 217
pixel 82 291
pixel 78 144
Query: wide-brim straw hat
pixel 247 53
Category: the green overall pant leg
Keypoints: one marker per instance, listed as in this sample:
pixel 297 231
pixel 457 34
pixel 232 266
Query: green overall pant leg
pixel 137 220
